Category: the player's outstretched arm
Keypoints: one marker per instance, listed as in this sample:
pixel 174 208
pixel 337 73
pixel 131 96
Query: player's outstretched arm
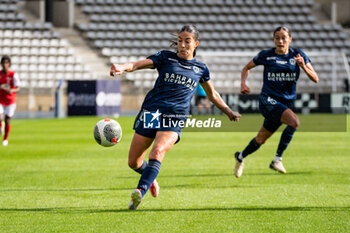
pixel 216 99
pixel 244 75
pixel 309 70
pixel 131 66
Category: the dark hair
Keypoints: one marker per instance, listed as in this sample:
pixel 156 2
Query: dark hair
pixel 187 28
pixel 280 28
pixel 4 58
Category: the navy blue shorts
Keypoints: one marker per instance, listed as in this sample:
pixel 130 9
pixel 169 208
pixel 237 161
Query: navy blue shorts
pixel 272 108
pixel 140 128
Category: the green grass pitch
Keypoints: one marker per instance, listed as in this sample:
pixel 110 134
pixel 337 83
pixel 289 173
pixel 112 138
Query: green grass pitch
pixel 55 178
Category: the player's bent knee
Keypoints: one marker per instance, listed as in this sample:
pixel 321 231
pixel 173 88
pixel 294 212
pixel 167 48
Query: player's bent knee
pixel 260 141
pixel 156 153
pixel 295 124
pixel 132 164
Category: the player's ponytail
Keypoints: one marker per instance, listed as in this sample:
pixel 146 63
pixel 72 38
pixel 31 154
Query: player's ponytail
pixel 187 28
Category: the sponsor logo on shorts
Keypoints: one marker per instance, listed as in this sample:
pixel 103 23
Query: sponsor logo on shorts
pixel 271 100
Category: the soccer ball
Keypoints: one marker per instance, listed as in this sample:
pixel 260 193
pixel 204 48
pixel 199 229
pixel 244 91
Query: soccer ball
pixel 107 132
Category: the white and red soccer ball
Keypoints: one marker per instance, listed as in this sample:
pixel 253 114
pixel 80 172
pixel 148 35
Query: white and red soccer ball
pixel 107 132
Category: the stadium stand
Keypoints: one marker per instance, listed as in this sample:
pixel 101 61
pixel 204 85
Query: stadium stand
pixel 231 32
pixel 38 54
pixel 125 30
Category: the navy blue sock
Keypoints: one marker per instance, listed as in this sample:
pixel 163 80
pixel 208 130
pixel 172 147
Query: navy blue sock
pixel 142 168
pixel 149 175
pixel 286 137
pixel 252 146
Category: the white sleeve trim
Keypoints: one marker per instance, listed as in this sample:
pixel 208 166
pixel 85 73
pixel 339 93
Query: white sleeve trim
pixel 16 80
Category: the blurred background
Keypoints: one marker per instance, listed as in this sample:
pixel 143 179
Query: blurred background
pixel 63 49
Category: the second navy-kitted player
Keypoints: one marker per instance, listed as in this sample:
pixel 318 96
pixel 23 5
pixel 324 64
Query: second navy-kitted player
pixel 282 66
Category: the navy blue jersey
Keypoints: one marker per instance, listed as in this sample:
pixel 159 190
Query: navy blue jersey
pixel 176 83
pixel 281 72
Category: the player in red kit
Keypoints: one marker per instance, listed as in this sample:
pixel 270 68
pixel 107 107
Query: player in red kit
pixel 9 86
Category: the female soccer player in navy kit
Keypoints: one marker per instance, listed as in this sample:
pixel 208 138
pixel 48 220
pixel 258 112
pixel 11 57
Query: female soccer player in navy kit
pixel 281 72
pixel 179 74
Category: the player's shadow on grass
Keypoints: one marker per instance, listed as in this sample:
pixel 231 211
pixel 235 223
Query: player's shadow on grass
pixel 198 185
pixel 206 186
pixel 276 173
pixel 197 175
pixel 78 210
pixel 67 190
pixel 267 173
pixel 292 208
